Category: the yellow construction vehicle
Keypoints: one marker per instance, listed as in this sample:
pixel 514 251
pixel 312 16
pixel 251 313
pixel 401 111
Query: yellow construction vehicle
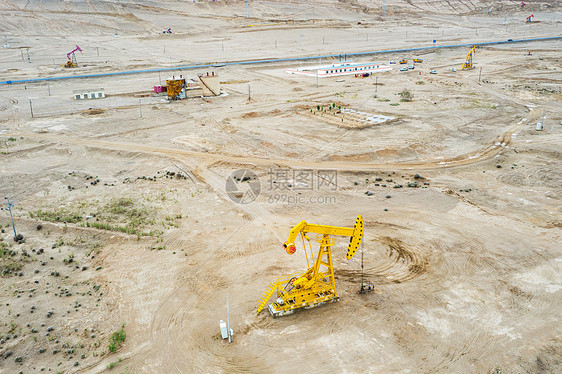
pixel 418 60
pixel 317 285
pixel 468 63
pixel 403 61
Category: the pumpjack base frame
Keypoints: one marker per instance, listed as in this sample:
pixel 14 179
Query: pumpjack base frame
pixel 279 312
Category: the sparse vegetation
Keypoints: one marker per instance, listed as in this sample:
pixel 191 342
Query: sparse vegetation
pixel 117 339
pixel 476 103
pixel 59 215
pixel 113 364
pixel 8 264
pixel 406 95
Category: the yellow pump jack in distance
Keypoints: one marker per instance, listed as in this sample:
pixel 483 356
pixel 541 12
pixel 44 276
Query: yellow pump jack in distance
pixel 317 285
pixel 468 63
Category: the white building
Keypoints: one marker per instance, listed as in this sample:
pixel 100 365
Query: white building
pixel 340 68
pixel 88 94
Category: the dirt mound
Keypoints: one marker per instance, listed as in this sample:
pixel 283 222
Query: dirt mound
pixel 93 112
pixel 250 115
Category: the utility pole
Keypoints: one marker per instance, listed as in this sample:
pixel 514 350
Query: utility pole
pixel 9 206
pixel 31 110
pixel 247 9
pixel 28 58
pixel 249 97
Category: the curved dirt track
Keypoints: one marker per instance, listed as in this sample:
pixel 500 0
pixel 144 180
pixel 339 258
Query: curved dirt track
pixel 492 149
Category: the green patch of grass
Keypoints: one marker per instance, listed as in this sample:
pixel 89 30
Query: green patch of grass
pixel 124 215
pixel 8 266
pixel 383 100
pixel 393 104
pixel 58 215
pixel 4 252
pixel 476 103
pixel 117 339
pixel 113 364
pixel 129 229
pixel 126 207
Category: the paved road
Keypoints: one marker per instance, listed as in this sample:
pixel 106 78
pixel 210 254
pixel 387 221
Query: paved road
pixel 274 60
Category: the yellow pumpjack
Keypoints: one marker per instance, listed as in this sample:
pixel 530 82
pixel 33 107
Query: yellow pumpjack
pixel 317 285
pixel 468 63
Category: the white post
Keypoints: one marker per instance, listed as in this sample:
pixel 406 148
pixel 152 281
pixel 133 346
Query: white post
pixel 228 320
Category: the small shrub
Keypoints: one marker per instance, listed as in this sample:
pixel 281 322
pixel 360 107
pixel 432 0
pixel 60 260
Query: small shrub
pixel 116 339
pixel 406 95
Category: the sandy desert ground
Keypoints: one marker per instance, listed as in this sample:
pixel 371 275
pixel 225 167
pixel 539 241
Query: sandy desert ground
pixel 128 224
